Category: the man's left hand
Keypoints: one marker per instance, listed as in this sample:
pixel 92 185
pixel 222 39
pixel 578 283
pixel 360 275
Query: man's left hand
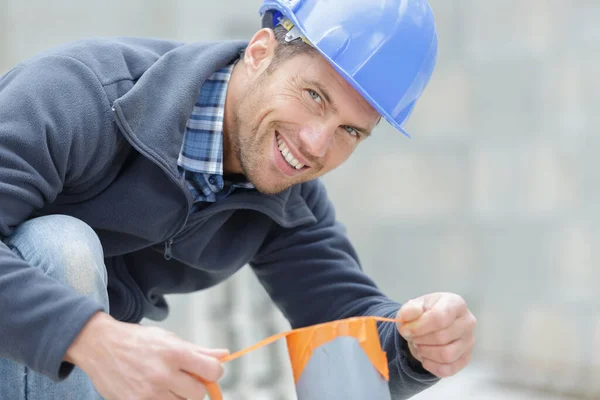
pixel 439 329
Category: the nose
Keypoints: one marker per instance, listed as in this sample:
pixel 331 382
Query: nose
pixel 316 138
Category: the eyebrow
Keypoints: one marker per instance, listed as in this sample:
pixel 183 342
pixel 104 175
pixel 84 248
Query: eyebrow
pixel 332 104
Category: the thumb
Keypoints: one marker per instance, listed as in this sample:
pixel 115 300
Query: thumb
pixel 412 310
pixel 216 353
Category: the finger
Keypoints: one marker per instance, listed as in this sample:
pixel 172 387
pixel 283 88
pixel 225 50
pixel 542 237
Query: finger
pixel 216 353
pixel 201 365
pixel 430 300
pixel 461 327
pixel 187 387
pixel 442 314
pixel 446 370
pixel 411 310
pixel 173 396
pixel 446 354
pixel 414 350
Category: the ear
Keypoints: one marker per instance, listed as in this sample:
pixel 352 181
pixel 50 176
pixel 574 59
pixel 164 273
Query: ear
pixel 260 51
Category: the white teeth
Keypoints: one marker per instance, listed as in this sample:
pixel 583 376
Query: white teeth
pixel 287 154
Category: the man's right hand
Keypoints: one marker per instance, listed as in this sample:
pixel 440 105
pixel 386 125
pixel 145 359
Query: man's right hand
pixel 129 361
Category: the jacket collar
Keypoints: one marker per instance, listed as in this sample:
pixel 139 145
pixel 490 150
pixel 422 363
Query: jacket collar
pixel 155 111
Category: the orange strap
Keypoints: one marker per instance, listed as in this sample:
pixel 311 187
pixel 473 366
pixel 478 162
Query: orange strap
pixel 213 388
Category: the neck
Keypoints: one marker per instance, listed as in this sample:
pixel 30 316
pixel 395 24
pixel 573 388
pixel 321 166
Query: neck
pixel 231 164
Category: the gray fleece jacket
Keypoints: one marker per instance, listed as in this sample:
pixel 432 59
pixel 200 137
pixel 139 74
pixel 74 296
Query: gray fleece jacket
pixel 93 130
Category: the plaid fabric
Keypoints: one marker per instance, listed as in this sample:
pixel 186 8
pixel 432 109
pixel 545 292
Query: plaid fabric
pixel 201 155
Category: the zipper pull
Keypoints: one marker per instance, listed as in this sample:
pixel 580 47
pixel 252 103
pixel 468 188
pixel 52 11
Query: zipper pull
pixel 168 254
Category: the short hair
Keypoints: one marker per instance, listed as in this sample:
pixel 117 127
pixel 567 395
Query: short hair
pixel 288 49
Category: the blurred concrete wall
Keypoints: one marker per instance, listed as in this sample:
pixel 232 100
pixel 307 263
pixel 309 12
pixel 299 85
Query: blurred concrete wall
pixel 495 197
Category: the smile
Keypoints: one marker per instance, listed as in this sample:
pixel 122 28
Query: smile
pixel 287 154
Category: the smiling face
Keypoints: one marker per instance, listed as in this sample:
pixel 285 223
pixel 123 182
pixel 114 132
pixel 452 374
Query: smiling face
pixel 290 123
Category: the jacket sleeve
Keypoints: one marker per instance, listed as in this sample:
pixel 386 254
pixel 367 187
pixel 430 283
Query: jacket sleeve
pixel 49 110
pixel 313 274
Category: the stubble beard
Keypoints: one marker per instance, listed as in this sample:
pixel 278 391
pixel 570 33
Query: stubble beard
pixel 252 147
pixel 250 150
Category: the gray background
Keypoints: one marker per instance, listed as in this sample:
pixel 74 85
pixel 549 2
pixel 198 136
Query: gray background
pixel 495 197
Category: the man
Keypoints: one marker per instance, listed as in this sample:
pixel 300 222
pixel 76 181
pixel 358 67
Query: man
pixel 134 168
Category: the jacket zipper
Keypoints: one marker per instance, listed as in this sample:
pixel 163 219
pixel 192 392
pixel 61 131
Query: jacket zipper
pixel 167 254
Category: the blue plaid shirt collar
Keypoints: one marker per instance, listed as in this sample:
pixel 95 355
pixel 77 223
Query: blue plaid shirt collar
pixel 201 155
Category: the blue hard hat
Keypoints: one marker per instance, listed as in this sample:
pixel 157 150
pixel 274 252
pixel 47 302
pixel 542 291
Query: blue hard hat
pixel 385 49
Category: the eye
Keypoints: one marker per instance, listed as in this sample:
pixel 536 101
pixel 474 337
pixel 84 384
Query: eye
pixel 351 130
pixel 316 97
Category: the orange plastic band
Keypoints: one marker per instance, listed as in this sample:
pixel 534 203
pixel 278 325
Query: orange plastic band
pixel 303 341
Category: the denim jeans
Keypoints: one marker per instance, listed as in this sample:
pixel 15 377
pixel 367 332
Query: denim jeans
pixel 69 251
